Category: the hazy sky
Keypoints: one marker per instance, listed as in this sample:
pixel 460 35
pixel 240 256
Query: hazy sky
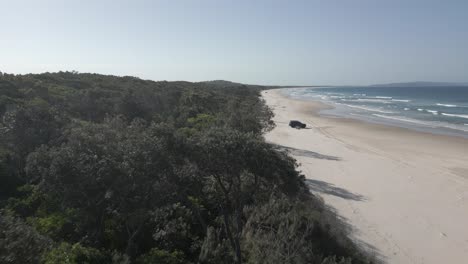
pixel 261 42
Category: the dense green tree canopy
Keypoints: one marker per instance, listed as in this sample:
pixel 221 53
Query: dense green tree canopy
pixel 105 169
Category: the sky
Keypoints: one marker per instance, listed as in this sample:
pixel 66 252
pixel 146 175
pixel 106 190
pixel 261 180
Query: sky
pixel 303 42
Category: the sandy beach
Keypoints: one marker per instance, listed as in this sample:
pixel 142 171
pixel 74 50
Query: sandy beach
pixel 405 193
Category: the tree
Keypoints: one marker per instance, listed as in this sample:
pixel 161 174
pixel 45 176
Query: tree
pixel 238 167
pixel 107 171
pixel 26 128
pixel 73 254
pixel 20 243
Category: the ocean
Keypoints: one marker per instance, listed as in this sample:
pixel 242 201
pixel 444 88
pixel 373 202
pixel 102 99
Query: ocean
pixel 441 110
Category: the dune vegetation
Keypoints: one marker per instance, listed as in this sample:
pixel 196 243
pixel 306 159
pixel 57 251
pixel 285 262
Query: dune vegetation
pixel 106 169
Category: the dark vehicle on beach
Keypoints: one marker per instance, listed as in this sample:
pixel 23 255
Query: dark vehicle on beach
pixel 296 124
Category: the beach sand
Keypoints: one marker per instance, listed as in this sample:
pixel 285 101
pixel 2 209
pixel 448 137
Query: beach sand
pixel 405 193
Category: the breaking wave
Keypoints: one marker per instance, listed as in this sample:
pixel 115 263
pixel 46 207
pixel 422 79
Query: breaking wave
pixel 427 110
pixel 447 105
pixel 423 123
pixel 454 115
pixel 374 101
pixel 369 109
pixel 401 100
pixel 404 119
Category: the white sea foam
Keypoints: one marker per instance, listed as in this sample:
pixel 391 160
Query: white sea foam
pixel 406 109
pixel 427 110
pixel 404 119
pixel 384 97
pixel 423 123
pixel 369 109
pixel 447 105
pixel 453 115
pixel 374 101
pixel 401 100
pixel 457 127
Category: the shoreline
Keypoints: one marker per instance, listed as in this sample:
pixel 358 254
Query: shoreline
pixel 403 191
pixel 312 108
pixel 330 112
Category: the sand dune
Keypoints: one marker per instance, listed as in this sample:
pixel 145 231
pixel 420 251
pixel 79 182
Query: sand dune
pixel 404 192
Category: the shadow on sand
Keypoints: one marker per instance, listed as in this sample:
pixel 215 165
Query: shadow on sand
pixel 306 153
pixel 330 189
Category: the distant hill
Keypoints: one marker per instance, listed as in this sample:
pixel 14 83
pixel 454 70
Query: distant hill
pixel 420 84
pixel 222 83
pixel 229 84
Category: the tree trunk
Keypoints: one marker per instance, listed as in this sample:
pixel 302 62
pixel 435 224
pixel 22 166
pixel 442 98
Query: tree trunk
pixel 130 249
pixel 234 240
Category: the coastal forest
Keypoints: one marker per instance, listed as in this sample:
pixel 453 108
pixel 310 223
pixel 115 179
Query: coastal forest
pixel 106 169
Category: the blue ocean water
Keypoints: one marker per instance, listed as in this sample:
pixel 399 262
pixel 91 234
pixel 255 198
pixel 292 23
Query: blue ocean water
pixel 435 109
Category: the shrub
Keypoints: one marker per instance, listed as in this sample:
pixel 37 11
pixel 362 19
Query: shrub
pixel 161 256
pixel 66 253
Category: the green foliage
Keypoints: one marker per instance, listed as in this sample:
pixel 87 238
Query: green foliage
pixel 66 253
pixel 296 231
pixel 202 121
pixel 51 224
pixel 26 127
pixel 26 202
pixel 173 227
pixel 57 225
pixel 20 243
pixel 161 256
pixel 8 177
pixel 216 248
pixel 280 232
